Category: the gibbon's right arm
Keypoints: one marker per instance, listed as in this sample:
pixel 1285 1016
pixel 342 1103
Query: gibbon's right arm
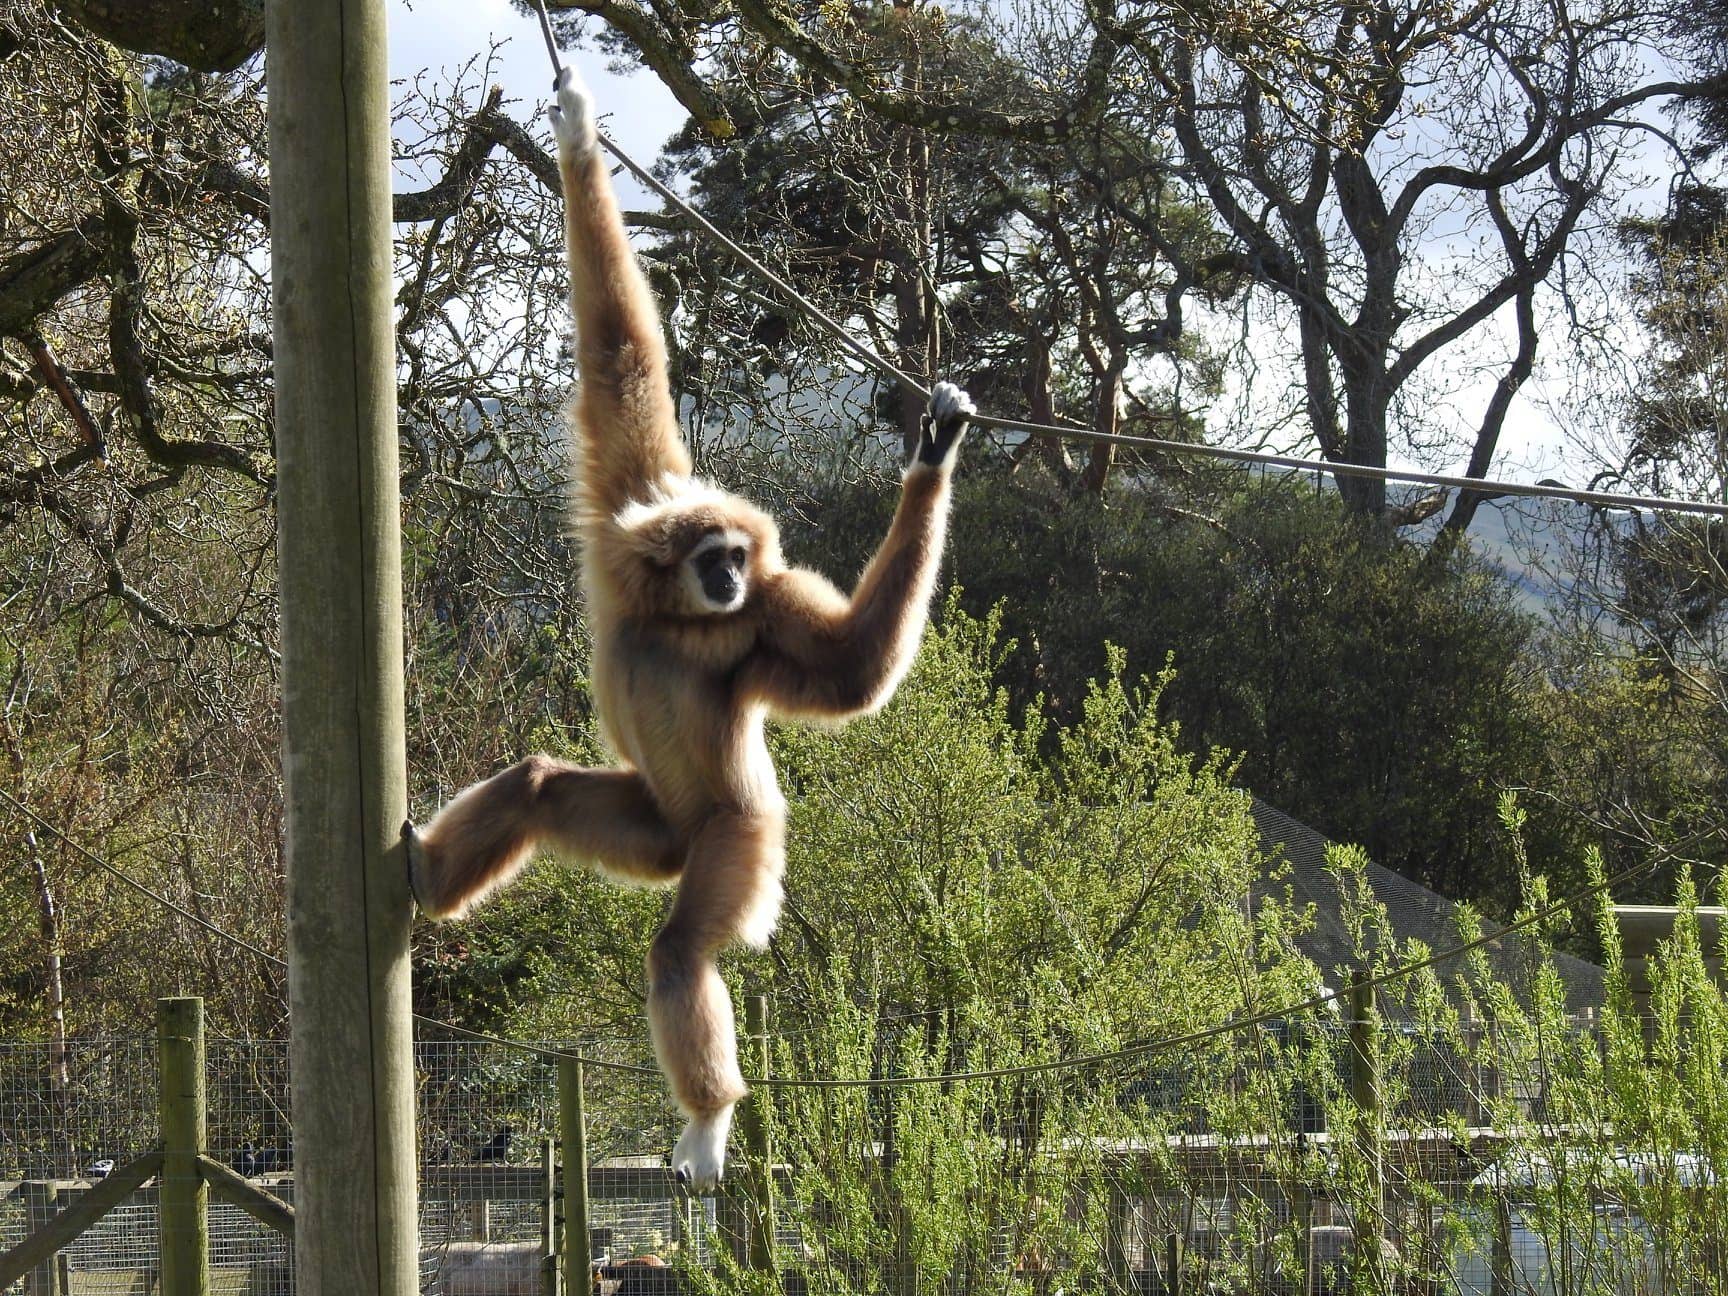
pixel 829 657
pixel 627 426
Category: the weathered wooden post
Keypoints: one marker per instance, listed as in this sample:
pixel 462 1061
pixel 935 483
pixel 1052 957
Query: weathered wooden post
pixel 182 1219
pixel 1173 1284
pixel 339 550
pixel 1368 1219
pixel 573 1136
pixel 41 1205
pixel 549 1238
pixel 756 1125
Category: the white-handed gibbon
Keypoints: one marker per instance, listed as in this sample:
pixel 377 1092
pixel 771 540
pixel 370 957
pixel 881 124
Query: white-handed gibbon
pixel 700 631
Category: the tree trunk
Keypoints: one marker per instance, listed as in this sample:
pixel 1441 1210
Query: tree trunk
pixel 59 1073
pixel 1364 442
pixel 1041 407
pixel 1107 420
pixel 210 37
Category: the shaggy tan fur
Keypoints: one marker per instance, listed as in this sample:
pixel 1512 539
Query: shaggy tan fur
pixel 682 688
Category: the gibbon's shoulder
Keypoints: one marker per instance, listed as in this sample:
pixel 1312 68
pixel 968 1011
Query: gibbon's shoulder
pixel 807 598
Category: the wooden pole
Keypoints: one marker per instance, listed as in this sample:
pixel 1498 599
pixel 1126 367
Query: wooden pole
pixel 573 1136
pixel 1369 1217
pixel 182 1219
pixel 755 1123
pixel 339 552
pixel 42 1208
pixel 549 1239
pixel 237 1190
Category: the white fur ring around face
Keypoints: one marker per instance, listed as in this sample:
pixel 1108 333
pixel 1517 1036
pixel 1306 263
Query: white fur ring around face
pixel 699 1159
pixel 572 117
pixel 947 401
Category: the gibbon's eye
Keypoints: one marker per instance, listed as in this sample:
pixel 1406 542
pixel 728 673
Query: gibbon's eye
pixel 738 556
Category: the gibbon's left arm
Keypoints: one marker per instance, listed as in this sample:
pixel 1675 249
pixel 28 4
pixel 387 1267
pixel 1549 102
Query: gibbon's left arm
pixel 829 657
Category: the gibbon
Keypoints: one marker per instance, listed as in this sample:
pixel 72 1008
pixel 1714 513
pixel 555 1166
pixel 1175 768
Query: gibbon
pixel 700 631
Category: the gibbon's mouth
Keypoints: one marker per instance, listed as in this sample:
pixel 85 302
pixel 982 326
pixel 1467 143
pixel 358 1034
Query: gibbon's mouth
pixel 722 605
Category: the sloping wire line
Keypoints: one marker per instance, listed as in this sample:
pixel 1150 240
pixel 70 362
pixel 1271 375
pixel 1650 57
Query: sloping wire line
pixel 873 359
pixel 276 960
pixel 1146 1048
pixel 143 890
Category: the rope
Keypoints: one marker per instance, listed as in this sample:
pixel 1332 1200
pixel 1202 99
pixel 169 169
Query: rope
pixel 872 359
pixel 1144 1049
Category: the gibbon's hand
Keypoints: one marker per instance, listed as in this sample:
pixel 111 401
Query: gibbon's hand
pixel 572 117
pixel 944 422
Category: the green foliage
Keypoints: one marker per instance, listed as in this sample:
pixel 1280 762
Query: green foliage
pixel 967 892
pixel 1376 691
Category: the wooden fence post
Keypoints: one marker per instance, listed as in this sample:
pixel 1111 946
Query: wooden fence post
pixel 549 1238
pixel 1368 1220
pixel 1173 1285
pixel 41 1204
pixel 573 1136
pixel 756 1124
pixel 182 1219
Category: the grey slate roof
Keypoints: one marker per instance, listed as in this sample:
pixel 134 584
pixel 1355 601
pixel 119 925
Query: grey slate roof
pixel 1412 911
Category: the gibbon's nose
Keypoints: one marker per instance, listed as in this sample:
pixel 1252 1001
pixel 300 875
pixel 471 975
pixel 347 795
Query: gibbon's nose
pixel 722 586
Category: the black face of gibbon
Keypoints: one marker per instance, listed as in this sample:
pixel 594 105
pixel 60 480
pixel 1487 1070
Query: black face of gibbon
pixel 721 566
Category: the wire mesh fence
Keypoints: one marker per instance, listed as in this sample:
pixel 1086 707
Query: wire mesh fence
pixel 1289 1158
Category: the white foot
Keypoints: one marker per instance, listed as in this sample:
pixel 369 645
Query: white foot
pixel 572 117
pixel 699 1160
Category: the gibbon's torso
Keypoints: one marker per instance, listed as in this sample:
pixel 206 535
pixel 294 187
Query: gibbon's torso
pixel 666 706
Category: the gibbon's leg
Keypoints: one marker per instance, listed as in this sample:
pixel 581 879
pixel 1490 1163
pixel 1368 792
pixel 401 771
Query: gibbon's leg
pixel 478 842
pixel 628 427
pixel 730 891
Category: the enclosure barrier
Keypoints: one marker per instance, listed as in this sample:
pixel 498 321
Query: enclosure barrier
pixel 180 1176
pixel 185 1177
pixel 573 1203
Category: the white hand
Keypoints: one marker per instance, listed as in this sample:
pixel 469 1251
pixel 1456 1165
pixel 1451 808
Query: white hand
pixel 572 117
pixel 947 400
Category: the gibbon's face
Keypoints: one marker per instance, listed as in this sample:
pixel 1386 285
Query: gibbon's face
pixel 716 574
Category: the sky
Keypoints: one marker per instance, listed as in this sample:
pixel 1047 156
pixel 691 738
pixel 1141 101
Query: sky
pixel 636 110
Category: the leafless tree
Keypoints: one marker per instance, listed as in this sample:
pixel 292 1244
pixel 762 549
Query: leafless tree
pixel 1430 172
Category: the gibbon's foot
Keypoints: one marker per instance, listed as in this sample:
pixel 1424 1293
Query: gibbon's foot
pixel 699 1159
pixel 944 422
pixel 572 117
pixel 415 850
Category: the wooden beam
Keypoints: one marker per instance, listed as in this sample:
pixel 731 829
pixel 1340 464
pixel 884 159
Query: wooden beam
pixel 573 1142
pixel 339 548
pixel 69 1223
pixel 237 1190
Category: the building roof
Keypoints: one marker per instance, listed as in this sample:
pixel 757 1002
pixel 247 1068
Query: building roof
pixel 1412 910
